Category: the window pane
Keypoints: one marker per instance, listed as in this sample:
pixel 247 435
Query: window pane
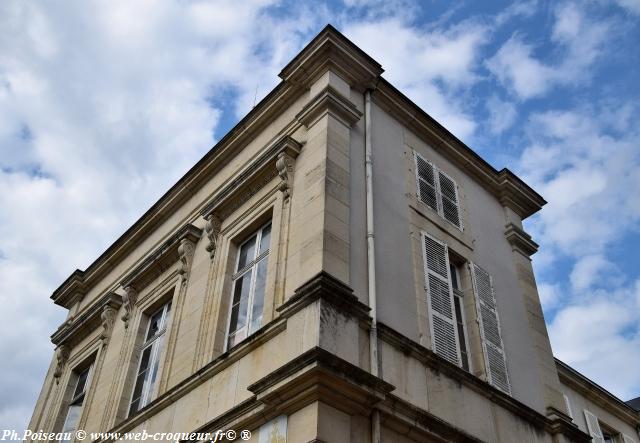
pixel 258 296
pixel 155 364
pixel 242 287
pixel 167 316
pixel 154 325
pixel 73 415
pixel 80 384
pixel 461 337
pixel 266 238
pixel 247 252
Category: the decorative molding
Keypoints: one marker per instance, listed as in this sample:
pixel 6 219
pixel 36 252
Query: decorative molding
pixel 72 332
pixel 596 394
pixel 519 240
pixel 285 165
pixel 325 287
pixel 160 259
pixel 62 355
pixel 318 374
pixel 129 300
pixel 330 50
pixel 439 364
pixel 185 252
pixel 255 176
pixel 212 230
pixel 329 101
pixel 107 317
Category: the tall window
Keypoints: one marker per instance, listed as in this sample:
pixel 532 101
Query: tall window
pixel 75 406
pixel 460 316
pixel 248 286
pixel 144 389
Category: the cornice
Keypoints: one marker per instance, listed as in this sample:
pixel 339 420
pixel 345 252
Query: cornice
pixel 76 328
pixel 251 178
pixel 520 240
pixel 556 424
pixel 320 375
pixel 329 101
pixel 163 257
pixel 597 394
pixel 330 50
pixel 327 288
pixel 504 185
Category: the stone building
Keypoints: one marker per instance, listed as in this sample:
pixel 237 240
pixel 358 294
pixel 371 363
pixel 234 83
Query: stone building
pixel 338 268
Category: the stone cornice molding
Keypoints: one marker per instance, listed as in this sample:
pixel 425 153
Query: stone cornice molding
pixel 329 101
pixel 596 394
pixel 72 332
pixel 519 240
pixel 320 375
pixel 330 50
pixel 162 257
pixel 557 423
pixel 327 288
pixel 246 183
pixel 504 185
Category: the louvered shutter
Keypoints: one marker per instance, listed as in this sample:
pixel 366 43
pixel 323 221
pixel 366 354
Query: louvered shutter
pixel 567 404
pixel 444 335
pixel 594 427
pixel 426 180
pixel 627 439
pixel 494 355
pixel 449 198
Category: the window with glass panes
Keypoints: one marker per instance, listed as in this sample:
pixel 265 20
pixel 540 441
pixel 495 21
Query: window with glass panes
pixel 146 377
pixel 460 317
pixel 75 406
pixel 248 286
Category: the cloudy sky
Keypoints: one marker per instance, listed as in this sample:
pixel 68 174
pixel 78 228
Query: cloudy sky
pixel 104 105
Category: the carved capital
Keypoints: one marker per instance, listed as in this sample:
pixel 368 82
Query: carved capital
pixel 212 229
pixel 62 355
pixel 128 300
pixel 285 165
pixel 107 317
pixel 185 251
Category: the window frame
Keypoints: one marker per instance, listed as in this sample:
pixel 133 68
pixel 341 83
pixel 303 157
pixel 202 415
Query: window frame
pixel 75 398
pixel 250 266
pixel 149 390
pixel 436 178
pixel 458 304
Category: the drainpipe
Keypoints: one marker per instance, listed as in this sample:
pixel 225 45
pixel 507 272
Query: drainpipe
pixel 371 258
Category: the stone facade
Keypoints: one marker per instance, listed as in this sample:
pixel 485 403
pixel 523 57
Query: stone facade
pixel 294 170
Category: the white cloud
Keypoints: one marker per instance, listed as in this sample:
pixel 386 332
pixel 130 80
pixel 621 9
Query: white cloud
pixel 418 62
pixel 502 114
pixel 602 333
pixel 550 295
pixel 592 270
pixel 633 6
pixel 579 40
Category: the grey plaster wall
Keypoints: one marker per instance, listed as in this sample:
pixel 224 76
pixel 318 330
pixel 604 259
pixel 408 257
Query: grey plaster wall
pixel 484 224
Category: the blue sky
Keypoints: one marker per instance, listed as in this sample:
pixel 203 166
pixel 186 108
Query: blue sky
pixel 101 111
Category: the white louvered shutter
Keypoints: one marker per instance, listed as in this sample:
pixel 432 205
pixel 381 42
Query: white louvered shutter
pixel 567 405
pixel 426 180
pixel 449 198
pixel 627 439
pixel 494 355
pixel 444 335
pixel 594 427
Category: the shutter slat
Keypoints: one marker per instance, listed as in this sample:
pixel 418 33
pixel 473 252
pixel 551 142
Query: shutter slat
pixel 444 334
pixel 449 194
pixel 492 345
pixel 426 183
pixel 594 427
